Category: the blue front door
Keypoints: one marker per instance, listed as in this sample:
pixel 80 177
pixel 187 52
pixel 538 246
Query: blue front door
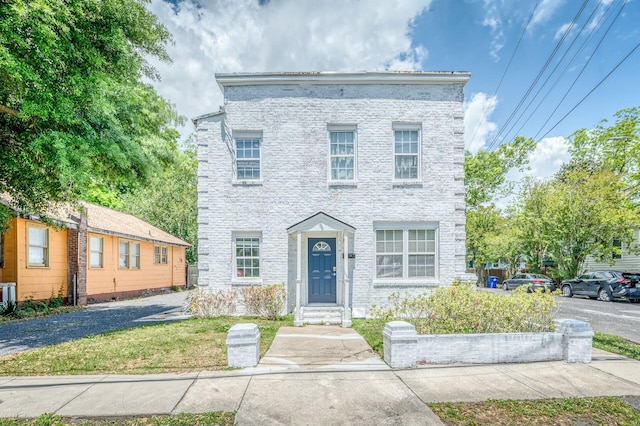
pixel 322 270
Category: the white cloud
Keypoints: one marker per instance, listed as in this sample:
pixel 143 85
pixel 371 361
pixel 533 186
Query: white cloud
pixel 494 22
pixel 285 35
pixel 544 12
pixel 477 126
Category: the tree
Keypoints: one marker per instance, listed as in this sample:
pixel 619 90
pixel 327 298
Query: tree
pixel 73 108
pixel 169 200
pixel 485 181
pixel 616 147
pixel 587 211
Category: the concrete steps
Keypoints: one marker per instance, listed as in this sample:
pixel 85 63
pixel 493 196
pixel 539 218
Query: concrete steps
pixel 327 315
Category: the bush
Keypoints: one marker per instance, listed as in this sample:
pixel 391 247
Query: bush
pixel 209 304
pixel 461 309
pixel 268 302
pixel 8 308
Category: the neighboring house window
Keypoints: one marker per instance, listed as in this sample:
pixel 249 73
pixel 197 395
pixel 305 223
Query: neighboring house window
pixel 248 156
pixel 617 254
pixel 342 153
pixel 406 152
pixel 129 255
pixel 247 256
pixel 160 255
pixel 1 250
pixel 38 240
pixel 96 252
pixel 407 252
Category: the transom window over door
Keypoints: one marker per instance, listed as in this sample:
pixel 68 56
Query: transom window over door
pixel 406 252
pixel 342 153
pixel 248 155
pixel 406 152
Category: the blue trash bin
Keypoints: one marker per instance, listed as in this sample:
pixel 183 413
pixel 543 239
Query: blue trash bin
pixel 492 282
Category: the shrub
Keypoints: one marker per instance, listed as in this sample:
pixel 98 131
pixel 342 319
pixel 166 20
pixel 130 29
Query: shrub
pixel 268 301
pixel 8 308
pixel 461 309
pixel 209 304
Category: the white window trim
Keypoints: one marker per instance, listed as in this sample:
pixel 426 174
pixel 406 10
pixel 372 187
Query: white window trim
pixel 249 134
pixel 400 127
pixel 235 279
pixel 405 227
pixel 46 247
pixel 161 248
pixel 343 128
pixel 130 255
pixel 101 266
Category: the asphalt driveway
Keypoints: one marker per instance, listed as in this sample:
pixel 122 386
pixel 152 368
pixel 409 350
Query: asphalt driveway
pixel 98 318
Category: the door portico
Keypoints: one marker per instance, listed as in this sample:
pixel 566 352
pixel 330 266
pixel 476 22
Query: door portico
pixel 322 265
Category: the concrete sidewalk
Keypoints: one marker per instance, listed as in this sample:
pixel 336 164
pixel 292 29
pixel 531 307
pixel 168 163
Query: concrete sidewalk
pixel 317 375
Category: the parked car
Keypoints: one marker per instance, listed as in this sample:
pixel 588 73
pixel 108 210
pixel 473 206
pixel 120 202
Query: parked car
pixel 603 285
pixel 533 281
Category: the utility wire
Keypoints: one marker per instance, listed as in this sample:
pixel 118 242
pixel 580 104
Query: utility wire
pixel 575 80
pixel 513 54
pixel 564 71
pixel 552 73
pixel 540 73
pixel 592 90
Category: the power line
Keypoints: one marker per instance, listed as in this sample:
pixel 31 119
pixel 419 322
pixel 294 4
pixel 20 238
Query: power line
pixel 592 90
pixel 540 73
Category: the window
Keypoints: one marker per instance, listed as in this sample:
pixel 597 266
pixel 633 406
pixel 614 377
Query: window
pixel 96 248
pixel 406 152
pixel 1 250
pixel 38 246
pixel 248 156
pixel 407 252
pixel 160 255
pixel 617 252
pixel 342 153
pixel 247 256
pixel 129 255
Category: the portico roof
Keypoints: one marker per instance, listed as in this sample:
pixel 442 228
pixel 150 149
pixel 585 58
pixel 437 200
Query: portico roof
pixel 321 222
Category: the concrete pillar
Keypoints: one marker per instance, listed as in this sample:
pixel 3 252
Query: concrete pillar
pixel 400 341
pixel 243 345
pixel 577 340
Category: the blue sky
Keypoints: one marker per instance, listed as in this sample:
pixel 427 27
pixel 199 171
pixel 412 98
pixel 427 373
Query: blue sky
pixel 479 36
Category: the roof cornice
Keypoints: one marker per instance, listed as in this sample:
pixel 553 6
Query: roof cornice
pixel 378 77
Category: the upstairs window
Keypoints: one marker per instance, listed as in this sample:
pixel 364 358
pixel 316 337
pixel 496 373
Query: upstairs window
pixel 248 156
pixel 406 150
pixel 342 153
pixel 38 240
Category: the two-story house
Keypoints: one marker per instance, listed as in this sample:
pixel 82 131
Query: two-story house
pixel 346 187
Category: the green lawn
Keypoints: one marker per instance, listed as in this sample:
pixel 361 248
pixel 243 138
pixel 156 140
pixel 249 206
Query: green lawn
pixel 194 344
pixel 205 419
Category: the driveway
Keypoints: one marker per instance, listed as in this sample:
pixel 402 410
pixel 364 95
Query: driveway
pixel 98 318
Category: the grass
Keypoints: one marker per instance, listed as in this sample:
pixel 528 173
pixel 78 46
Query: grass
pixel 22 314
pixel 566 411
pixel 617 345
pixel 371 330
pixel 194 344
pixel 205 419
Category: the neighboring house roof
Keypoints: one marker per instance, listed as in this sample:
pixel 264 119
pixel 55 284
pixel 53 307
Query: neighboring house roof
pixel 107 221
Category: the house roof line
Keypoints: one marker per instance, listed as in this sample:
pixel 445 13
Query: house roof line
pixel 365 77
pixel 208 115
pixel 134 237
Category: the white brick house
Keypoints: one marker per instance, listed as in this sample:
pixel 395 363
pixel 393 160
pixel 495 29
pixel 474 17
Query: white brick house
pixel 346 187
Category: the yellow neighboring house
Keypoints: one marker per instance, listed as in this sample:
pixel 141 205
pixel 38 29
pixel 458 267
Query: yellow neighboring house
pixel 99 255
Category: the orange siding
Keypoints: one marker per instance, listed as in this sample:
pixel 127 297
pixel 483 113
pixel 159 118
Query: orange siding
pixel 40 283
pixel 9 273
pixel 112 279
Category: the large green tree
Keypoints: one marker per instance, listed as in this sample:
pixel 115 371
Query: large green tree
pixel 169 200
pixel 73 107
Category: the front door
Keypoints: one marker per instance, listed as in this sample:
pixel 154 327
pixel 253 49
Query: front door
pixel 322 270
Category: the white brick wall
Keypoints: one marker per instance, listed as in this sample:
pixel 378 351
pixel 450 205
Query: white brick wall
pixel 293 120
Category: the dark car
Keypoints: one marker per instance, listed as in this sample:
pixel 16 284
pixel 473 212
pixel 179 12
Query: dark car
pixel 533 281
pixel 603 285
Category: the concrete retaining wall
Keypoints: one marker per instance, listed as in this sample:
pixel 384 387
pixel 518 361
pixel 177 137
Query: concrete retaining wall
pixel 403 347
